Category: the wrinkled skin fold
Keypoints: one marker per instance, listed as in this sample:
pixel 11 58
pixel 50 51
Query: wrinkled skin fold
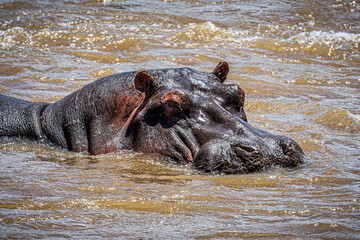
pixel 188 116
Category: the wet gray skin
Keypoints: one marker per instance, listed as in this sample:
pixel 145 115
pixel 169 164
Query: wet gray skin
pixel 188 116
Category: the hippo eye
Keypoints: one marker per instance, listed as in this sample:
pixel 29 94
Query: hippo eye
pixel 175 103
pixel 241 95
pixel 235 101
pixel 235 97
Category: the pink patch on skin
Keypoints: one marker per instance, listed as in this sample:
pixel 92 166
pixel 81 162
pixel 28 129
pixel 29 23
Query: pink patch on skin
pixel 174 102
pixel 189 158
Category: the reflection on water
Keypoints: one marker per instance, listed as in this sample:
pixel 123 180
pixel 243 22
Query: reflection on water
pixel 298 63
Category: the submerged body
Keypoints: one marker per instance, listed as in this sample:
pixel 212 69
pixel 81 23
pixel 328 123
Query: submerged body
pixel 183 114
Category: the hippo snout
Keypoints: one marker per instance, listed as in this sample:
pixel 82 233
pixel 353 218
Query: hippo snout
pixel 233 157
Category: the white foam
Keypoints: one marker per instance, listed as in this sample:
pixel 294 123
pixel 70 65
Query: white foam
pixel 8 37
pixel 326 37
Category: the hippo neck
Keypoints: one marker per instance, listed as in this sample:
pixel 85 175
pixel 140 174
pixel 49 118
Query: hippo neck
pixel 86 120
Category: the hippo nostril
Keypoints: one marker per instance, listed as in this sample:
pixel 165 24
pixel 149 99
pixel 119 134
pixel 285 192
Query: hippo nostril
pixel 286 148
pixel 289 152
pixel 290 147
pixel 248 148
pixel 240 147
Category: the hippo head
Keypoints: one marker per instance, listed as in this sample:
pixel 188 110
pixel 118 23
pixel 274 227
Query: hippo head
pixel 193 117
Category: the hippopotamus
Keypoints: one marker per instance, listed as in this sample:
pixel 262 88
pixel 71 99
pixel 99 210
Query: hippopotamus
pixel 187 116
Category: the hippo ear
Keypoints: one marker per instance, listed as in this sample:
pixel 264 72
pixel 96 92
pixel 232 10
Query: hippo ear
pixel 221 71
pixel 144 82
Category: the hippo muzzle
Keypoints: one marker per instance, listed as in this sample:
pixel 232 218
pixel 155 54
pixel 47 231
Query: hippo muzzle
pixel 233 146
pixel 234 156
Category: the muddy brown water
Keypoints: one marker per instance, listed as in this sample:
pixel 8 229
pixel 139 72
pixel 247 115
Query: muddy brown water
pixel 298 62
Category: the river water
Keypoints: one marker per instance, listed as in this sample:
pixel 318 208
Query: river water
pixel 298 62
